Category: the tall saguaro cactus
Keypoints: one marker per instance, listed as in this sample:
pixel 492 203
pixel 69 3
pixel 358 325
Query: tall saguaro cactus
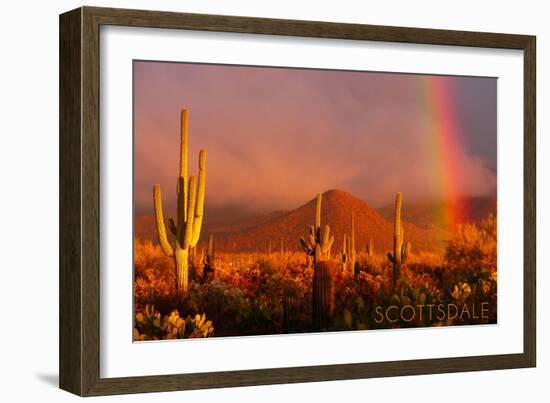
pixel 322 293
pixel 400 254
pixel 318 245
pixel 190 209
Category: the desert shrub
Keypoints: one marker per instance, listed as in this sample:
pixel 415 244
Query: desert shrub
pixel 154 274
pixel 248 293
pixel 472 254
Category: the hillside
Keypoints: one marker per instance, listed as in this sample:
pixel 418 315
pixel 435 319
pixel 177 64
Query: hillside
pixel 255 235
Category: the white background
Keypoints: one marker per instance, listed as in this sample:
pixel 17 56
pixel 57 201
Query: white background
pixel 29 206
pixel 121 358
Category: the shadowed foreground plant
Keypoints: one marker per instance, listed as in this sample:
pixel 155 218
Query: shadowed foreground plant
pixel 323 295
pixel 150 326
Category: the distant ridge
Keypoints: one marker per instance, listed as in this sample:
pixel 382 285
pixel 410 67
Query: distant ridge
pixel 337 206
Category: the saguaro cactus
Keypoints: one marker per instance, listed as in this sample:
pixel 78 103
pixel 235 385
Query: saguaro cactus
pixel 349 254
pixel 318 245
pixel 370 253
pixel 400 254
pixel 322 296
pixel 352 253
pixel 190 208
pixel 209 270
pixel 344 257
pixel 290 310
pixel 210 253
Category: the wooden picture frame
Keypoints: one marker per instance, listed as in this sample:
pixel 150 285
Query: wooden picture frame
pixel 80 185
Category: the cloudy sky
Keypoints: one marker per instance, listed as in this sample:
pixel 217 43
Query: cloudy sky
pixel 275 136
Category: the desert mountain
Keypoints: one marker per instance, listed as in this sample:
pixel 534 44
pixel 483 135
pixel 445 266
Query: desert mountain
pixel 337 206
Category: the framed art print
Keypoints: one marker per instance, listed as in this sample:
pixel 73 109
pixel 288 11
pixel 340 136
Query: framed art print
pixel 249 201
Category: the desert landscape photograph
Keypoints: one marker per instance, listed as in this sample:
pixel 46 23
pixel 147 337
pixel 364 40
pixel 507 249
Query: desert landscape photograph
pixel 275 200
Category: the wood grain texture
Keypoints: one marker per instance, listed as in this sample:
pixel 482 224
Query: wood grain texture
pixel 70 274
pixel 530 202
pixel 80 195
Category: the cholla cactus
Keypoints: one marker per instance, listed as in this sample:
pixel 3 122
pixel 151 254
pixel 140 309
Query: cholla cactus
pixel 173 325
pixel 148 324
pixel 318 245
pixel 190 207
pixel 400 254
pixel 202 327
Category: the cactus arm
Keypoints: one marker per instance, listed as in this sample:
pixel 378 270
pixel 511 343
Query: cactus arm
pixel 183 171
pixel 312 237
pixel 180 219
pixel 326 236
pixel 305 246
pixel 352 238
pixel 327 241
pixel 191 203
pixel 344 245
pixel 406 252
pixel 159 219
pixel 329 244
pixel 318 211
pixel 199 206
pixel 398 228
pixel 172 226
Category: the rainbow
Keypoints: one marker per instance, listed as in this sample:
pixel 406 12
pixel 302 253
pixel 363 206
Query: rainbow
pixel 445 146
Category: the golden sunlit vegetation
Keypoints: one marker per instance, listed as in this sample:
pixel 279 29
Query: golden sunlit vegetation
pixel 186 289
pixel 260 293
